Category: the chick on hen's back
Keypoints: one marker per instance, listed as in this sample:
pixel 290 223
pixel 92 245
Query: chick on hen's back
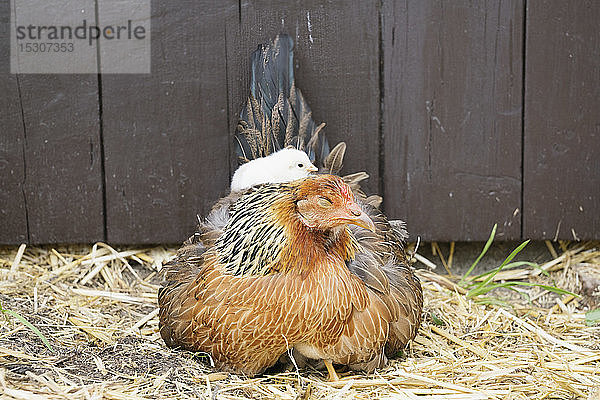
pixel 282 166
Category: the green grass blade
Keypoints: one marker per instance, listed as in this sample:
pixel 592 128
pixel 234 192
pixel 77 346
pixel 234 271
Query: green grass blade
pixel 30 326
pixel 538 267
pixel 485 289
pixel 507 266
pixel 479 288
pixel 480 276
pixel 437 320
pixel 549 288
pixel 485 249
pixel 521 293
pixel 592 317
pixel 507 285
pixel 492 301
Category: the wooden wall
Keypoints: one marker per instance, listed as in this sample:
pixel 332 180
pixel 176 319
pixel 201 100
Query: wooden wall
pixel 452 120
pixel 561 144
pixel 465 114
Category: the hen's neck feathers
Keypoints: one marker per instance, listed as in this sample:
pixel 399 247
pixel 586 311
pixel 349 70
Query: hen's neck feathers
pixel 264 235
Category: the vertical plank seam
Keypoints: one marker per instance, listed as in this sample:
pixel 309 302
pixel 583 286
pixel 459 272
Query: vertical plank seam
pixel 101 131
pixel 381 60
pixel 523 93
pixel 228 97
pixel 23 149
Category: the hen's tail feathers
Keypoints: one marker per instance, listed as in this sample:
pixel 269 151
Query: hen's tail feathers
pixel 334 161
pixel 276 115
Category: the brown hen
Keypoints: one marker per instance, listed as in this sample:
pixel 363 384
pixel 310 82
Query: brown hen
pixel 228 292
pixel 276 277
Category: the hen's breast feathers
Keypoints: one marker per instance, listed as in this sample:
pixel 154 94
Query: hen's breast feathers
pixel 247 322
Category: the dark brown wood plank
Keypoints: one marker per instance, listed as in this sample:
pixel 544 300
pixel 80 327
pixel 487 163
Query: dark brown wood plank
pixel 13 213
pixel 56 157
pixel 63 181
pixel 562 120
pixel 336 54
pixel 13 210
pixel 452 117
pixel 165 133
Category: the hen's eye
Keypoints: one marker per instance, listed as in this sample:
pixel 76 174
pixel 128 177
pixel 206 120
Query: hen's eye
pixel 325 202
pixel 300 165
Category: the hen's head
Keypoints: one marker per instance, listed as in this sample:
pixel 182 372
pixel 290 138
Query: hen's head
pixel 325 202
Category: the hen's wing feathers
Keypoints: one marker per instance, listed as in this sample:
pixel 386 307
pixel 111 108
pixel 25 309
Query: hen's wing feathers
pixel 382 265
pixel 407 296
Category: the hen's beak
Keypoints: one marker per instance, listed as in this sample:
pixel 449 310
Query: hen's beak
pixel 312 168
pixel 360 218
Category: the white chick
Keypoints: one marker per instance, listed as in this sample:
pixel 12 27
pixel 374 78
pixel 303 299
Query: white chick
pixel 283 166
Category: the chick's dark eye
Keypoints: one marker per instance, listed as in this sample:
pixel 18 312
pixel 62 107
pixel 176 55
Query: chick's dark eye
pixel 300 165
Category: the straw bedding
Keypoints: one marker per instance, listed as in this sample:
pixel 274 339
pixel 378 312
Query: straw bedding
pixel 97 308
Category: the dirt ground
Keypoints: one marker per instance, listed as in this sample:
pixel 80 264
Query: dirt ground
pixel 97 308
